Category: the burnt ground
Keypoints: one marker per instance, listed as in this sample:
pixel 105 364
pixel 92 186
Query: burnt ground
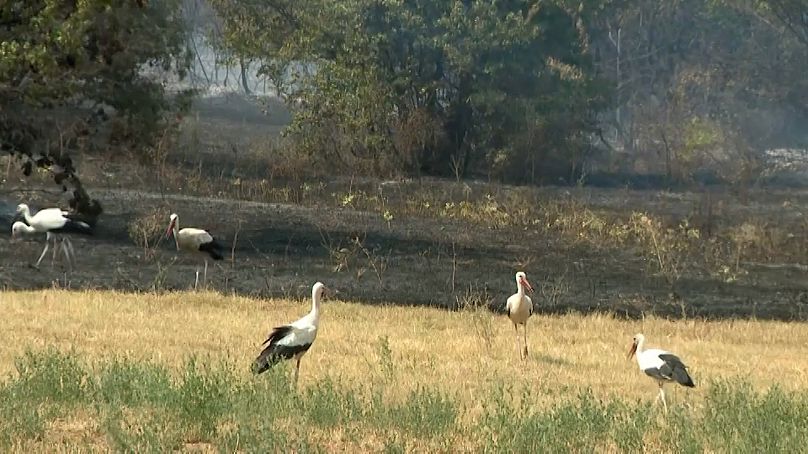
pixel 280 249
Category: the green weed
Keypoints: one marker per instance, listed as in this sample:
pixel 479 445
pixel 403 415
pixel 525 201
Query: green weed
pixel 142 407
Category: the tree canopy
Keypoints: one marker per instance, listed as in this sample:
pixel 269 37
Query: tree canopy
pixel 59 57
pixel 433 86
pixel 526 88
pixel 509 89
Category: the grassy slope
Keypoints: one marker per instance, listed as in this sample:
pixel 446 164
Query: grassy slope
pixel 410 378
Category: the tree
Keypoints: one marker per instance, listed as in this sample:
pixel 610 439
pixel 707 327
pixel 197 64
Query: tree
pixel 431 86
pixel 700 84
pixel 793 14
pixel 64 65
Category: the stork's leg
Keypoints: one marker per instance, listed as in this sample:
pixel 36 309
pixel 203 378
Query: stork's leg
pixel 55 250
pixel 205 278
pixel 662 397
pixel 196 281
pixel 297 370
pixel 44 251
pixel 70 254
pixel 72 258
pixel 65 254
pixel 525 349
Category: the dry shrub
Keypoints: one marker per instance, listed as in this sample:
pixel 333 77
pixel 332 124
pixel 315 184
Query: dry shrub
pixel 147 230
pixel 667 247
pixel 579 223
pixel 283 160
pixel 414 136
pixel 756 240
pixel 476 303
pixel 487 212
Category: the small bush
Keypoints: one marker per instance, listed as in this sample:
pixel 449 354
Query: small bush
pixel 327 404
pixel 739 417
pixel 53 377
pixel 147 229
pixel 127 383
pixel 204 397
pixel 425 413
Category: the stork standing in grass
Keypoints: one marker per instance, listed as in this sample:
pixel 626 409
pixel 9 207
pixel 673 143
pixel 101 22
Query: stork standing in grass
pixel 292 340
pixel 520 308
pixel 195 240
pixel 52 222
pixel 661 365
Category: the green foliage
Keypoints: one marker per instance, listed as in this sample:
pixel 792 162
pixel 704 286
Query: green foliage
pixel 52 376
pixel 60 61
pixel 53 52
pixel 385 355
pixel 702 85
pixel 140 409
pixel 578 425
pixel 330 405
pixel 740 416
pixel 445 87
pixel 425 413
pixel 125 383
pixel 204 397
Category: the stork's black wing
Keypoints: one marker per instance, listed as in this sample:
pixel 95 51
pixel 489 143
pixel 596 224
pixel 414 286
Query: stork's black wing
pixel 275 351
pixel 675 369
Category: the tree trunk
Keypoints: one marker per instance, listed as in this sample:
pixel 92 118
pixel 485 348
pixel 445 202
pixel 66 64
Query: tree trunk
pixel 244 76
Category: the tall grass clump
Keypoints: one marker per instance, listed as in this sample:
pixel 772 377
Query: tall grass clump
pixel 47 384
pixel 126 383
pixel 204 396
pixel 775 421
pixel 582 424
pixel 425 413
pixel 52 377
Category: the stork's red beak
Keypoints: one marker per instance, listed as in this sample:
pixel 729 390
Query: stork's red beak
pixel 170 229
pixel 632 351
pixel 527 285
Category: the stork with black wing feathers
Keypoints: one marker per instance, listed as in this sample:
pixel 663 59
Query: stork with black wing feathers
pixel 663 366
pixel 292 340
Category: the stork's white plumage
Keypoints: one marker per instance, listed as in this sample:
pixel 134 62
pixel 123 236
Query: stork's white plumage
pixel 520 308
pixel 194 240
pixel 52 221
pixel 663 366
pixel 292 340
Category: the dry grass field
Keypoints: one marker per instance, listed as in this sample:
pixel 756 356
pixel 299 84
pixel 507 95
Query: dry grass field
pixel 382 378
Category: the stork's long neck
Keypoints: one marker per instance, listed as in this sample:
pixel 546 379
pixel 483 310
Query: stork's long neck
pixel 26 213
pixel 640 348
pixel 315 307
pixel 520 289
pixel 175 230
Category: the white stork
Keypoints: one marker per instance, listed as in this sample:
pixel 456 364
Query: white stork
pixel 661 365
pixel 195 240
pixel 520 308
pixel 52 221
pixel 19 229
pixel 292 340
